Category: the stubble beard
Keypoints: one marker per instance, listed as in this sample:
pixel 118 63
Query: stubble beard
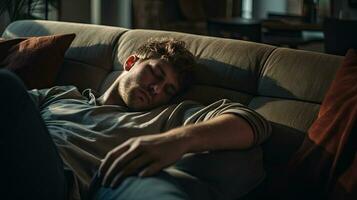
pixel 127 89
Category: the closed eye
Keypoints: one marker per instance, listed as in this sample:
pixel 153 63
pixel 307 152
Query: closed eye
pixel 170 91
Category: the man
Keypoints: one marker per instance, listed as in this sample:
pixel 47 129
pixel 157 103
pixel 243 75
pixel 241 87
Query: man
pixel 129 136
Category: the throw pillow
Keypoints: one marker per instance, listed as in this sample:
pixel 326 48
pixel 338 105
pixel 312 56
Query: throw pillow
pixel 36 60
pixel 5 46
pixel 326 163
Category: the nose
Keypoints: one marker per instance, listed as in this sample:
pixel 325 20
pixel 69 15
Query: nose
pixel 156 88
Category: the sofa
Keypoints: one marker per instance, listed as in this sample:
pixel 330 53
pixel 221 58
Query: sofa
pixel 286 86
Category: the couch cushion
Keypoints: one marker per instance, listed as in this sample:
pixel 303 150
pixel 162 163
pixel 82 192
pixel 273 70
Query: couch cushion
pixel 35 60
pixel 92 49
pixel 296 74
pixel 292 113
pixel 291 119
pixel 81 75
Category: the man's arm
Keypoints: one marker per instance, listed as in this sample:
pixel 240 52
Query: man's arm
pixel 227 131
pixel 149 154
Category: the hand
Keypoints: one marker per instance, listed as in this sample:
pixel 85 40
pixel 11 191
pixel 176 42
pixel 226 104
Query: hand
pixel 145 154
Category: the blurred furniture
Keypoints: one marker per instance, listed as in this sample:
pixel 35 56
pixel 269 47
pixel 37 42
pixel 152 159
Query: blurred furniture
pixel 235 28
pixel 310 10
pixel 290 25
pixel 289 30
pixel 286 86
pixel 180 15
pixel 149 14
pixel 278 30
pixel 340 35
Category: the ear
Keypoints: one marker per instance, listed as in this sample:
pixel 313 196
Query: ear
pixel 129 62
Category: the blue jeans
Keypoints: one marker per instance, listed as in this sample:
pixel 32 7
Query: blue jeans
pixel 161 186
pixel 221 175
pixel 166 185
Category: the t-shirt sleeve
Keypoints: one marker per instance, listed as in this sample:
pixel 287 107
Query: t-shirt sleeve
pixel 192 113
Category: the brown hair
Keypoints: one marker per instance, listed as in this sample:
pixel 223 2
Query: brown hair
pixel 175 53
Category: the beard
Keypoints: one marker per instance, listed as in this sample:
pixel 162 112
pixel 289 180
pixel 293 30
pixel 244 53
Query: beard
pixel 133 96
pixel 134 101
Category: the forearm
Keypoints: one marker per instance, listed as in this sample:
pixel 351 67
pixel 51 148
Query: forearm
pixel 227 131
pixel 152 153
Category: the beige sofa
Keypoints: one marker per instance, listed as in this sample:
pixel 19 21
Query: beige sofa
pixel 286 86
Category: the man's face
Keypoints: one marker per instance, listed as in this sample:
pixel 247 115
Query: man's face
pixel 148 83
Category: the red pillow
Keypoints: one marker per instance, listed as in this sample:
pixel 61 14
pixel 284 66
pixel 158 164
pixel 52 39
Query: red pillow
pixel 36 60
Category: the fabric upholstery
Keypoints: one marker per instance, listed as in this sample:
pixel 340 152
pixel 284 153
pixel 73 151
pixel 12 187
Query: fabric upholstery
pixel 295 114
pixel 89 76
pixel 296 74
pixel 291 119
pixel 5 46
pixel 94 46
pixel 35 60
pixel 330 146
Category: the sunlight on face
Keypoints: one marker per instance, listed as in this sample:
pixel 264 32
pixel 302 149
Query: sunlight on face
pixel 148 84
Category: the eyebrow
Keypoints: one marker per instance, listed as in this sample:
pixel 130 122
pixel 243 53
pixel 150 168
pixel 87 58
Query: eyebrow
pixel 164 74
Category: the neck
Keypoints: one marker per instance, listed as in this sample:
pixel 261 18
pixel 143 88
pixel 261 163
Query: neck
pixel 112 95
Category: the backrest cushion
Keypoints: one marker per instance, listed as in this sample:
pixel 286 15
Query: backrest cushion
pixel 35 60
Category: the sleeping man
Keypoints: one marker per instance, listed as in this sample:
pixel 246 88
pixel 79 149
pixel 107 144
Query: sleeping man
pixel 132 142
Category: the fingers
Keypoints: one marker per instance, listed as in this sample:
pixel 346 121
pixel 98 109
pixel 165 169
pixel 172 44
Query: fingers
pixel 110 158
pixel 142 153
pixel 133 167
pixel 117 165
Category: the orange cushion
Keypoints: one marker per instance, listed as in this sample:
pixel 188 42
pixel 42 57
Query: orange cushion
pixel 36 60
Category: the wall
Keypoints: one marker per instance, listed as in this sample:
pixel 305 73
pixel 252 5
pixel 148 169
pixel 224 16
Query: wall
pixel 125 8
pixel 113 12
pixel 116 13
pixel 4 21
pixel 75 11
